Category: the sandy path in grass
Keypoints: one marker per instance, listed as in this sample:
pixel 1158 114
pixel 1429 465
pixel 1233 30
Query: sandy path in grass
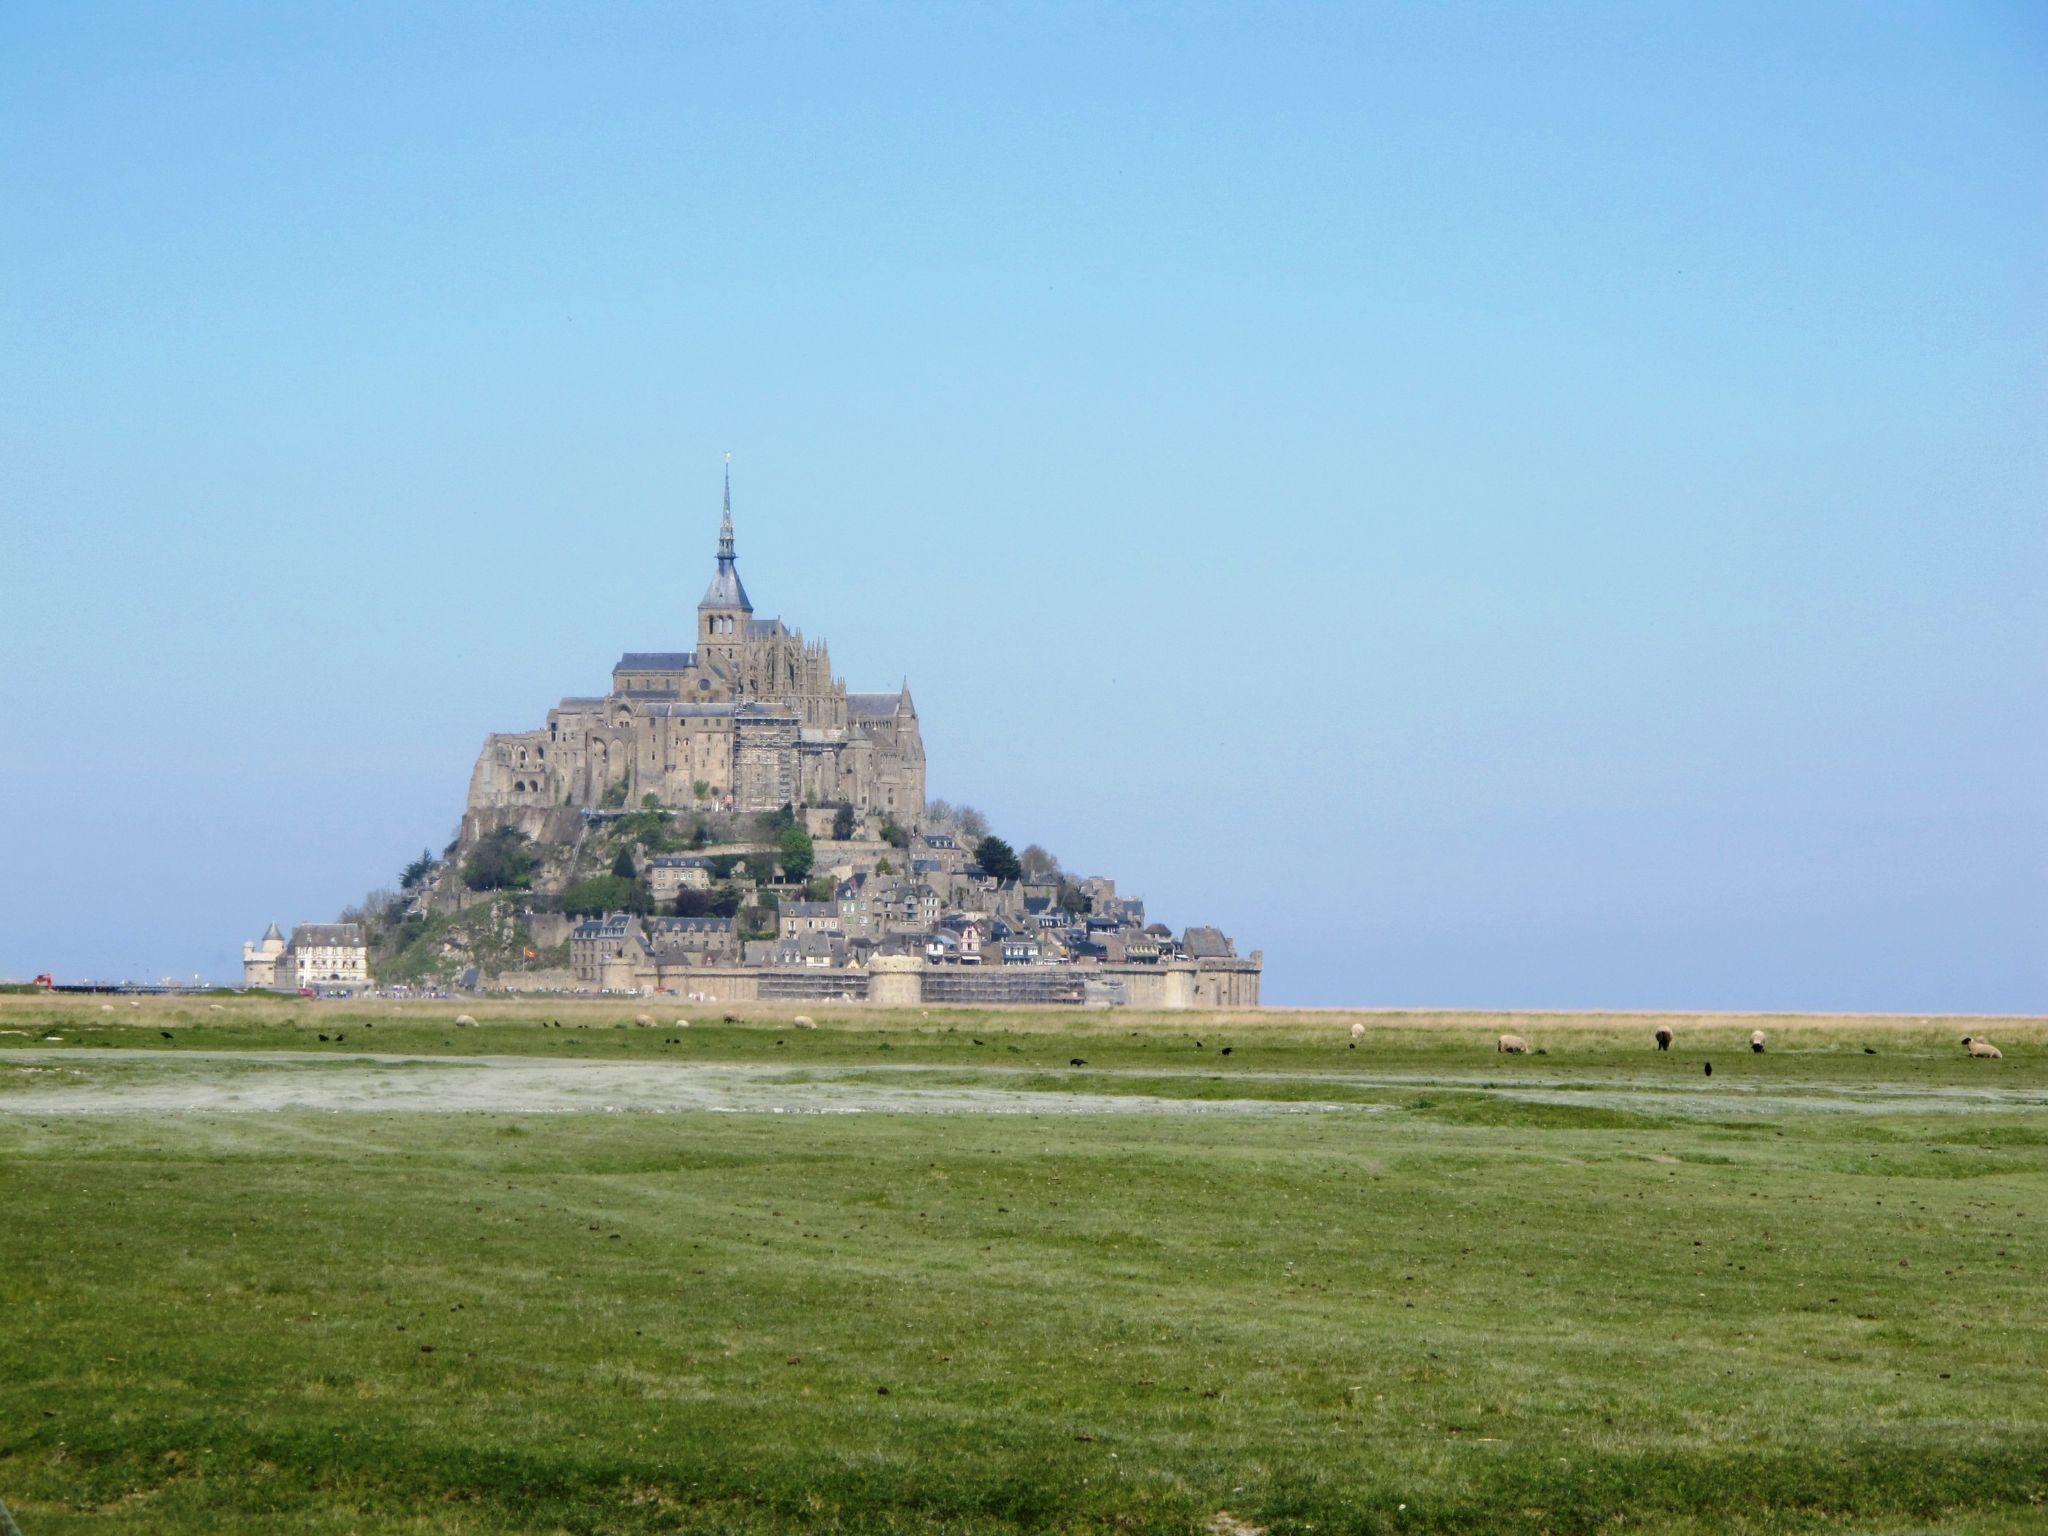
pixel 111 1081
pixel 63 1082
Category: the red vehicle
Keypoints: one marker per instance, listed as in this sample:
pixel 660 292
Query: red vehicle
pixel 45 981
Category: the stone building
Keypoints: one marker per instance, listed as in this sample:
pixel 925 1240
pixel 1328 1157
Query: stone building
pixel 750 720
pixel 259 960
pixel 319 955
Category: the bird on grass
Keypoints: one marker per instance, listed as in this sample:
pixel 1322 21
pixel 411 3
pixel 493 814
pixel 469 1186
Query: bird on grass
pixel 1228 1049
pixel 165 1033
pixel 1710 1069
pixel 1077 1062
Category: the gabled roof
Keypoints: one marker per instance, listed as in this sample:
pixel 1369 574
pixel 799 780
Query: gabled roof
pixel 656 661
pixel 871 706
pixel 326 933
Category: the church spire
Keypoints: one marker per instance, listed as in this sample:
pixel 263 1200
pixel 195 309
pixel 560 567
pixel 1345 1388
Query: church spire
pixel 725 591
pixel 725 528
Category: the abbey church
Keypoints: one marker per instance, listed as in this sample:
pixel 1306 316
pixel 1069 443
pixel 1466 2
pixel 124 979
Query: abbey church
pixel 750 720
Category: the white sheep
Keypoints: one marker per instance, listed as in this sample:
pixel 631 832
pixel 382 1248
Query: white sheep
pixel 106 1007
pixel 1756 1041
pixel 1357 1031
pixel 682 1023
pixel 1511 1045
pixel 804 1021
pixel 464 1021
pixel 1983 1050
pixel 644 1020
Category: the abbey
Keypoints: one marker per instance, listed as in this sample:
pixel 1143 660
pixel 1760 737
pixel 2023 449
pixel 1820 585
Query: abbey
pixel 751 720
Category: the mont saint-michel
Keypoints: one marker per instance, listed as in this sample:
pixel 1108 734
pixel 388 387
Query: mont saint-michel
pixel 732 824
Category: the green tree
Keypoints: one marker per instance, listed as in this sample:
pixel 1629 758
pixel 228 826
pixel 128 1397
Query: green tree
pixel 1072 902
pixel 501 861
pixel 997 858
pixel 821 888
pixel 842 823
pixel 623 865
pixel 614 798
pixel 883 866
pixel 416 871
pixel 650 802
pixel 797 851
pixel 894 835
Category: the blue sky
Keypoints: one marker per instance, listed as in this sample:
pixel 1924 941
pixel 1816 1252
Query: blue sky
pixel 1494 505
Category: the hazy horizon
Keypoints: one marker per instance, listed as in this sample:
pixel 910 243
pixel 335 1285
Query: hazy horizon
pixel 1492 507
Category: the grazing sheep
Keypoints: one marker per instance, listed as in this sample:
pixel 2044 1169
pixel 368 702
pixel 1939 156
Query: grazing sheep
pixel 1663 1038
pixel 682 1023
pixel 1511 1045
pixel 805 1021
pixel 644 1020
pixel 1358 1031
pixel 1983 1050
pixel 464 1021
pixel 1756 1041
pixel 106 1007
pixel 216 1008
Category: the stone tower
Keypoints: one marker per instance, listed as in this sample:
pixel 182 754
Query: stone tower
pixel 723 614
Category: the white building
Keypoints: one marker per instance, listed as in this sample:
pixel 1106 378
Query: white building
pixel 319 955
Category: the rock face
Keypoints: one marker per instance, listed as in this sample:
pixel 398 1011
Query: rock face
pixel 750 720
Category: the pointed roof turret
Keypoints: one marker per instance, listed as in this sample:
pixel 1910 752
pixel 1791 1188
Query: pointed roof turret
pixel 725 590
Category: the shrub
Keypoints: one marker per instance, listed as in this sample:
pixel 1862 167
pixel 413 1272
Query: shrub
pixel 842 823
pixel 605 893
pixel 502 861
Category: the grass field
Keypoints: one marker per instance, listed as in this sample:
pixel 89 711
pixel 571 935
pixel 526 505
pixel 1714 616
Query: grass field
pixel 922 1273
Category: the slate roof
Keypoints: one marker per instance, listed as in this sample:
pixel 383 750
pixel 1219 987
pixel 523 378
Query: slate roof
pixel 668 927
pixel 725 590
pixel 689 711
pixel 656 661
pixel 871 706
pixel 307 934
